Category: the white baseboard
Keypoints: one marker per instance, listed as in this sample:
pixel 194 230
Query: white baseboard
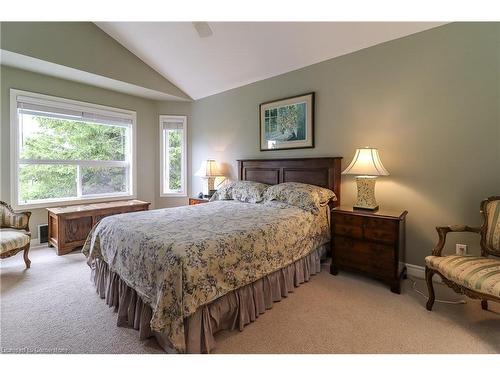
pixel 419 272
pixel 35 242
pixel 415 271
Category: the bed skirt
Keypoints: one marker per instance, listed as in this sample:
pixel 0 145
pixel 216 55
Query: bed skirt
pixel 234 310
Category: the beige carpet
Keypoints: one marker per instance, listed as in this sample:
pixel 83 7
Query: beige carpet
pixel 53 307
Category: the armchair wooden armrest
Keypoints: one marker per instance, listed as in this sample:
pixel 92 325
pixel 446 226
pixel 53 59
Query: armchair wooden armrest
pixel 443 231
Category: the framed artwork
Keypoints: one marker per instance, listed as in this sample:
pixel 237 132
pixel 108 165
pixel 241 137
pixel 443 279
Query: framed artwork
pixel 287 123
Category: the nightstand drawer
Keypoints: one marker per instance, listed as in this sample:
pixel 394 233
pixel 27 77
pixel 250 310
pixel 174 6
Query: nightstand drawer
pixel 383 224
pixel 382 235
pixel 348 230
pixel 371 267
pixel 351 220
pixel 361 251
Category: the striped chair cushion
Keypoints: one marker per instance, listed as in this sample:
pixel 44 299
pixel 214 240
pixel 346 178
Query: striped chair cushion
pixel 479 274
pixel 493 233
pixel 11 220
pixel 11 239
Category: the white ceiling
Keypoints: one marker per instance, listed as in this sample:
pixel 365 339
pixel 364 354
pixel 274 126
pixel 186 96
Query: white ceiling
pixel 239 53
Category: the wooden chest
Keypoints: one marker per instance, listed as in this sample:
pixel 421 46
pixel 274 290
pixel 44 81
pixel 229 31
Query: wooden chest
pixel 369 242
pixel 70 225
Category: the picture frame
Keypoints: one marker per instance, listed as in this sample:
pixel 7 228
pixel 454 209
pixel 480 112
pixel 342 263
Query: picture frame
pixel 287 123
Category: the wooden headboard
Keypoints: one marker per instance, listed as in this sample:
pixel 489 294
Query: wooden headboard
pixel 324 172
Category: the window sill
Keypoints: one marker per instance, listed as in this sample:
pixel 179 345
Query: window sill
pixel 70 202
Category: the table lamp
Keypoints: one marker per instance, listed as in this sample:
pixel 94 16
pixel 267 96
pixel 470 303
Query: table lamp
pixel 208 172
pixel 366 165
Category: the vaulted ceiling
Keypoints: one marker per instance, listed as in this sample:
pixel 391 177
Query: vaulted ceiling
pixel 239 53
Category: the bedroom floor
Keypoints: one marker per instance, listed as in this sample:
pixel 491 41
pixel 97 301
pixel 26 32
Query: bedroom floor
pixel 53 308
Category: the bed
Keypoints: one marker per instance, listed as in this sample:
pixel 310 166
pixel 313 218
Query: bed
pixel 182 274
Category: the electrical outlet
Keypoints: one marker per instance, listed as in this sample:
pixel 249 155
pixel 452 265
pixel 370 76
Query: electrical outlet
pixel 461 249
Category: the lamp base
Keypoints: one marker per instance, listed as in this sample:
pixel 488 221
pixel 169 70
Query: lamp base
pixel 208 186
pixel 366 193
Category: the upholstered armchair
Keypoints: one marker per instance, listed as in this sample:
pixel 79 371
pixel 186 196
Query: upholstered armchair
pixel 15 233
pixel 475 276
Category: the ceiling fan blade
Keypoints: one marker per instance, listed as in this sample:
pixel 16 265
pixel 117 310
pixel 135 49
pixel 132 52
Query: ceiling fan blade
pixel 203 29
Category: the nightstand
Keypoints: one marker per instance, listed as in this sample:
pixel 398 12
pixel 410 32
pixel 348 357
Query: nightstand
pixel 196 200
pixel 372 243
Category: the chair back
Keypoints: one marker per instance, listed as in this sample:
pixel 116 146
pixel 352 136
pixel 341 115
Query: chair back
pixel 490 233
pixel 9 219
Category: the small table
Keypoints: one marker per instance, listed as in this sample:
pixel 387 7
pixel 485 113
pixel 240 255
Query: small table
pixel 69 226
pixel 196 200
pixel 372 243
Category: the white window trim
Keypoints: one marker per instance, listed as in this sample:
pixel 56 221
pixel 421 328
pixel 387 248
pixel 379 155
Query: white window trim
pixel 164 118
pixel 75 105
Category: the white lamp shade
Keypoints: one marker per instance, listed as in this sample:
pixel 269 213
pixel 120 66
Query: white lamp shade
pixel 208 168
pixel 366 162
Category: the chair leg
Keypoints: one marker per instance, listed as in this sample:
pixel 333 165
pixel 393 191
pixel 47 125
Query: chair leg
pixel 484 304
pixel 428 278
pixel 25 255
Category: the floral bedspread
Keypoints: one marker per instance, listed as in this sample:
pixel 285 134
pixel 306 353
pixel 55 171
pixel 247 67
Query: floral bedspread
pixel 178 259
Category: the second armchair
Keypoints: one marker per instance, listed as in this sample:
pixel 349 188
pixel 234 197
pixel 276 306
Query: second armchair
pixel 475 276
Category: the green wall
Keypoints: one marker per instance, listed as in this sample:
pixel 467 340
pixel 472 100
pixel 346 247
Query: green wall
pixel 429 102
pixel 147 148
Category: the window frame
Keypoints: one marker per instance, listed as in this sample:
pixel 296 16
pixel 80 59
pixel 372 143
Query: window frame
pixel 63 103
pixel 184 182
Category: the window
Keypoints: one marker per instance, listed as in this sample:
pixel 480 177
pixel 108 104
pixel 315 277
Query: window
pixel 173 155
pixel 66 151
